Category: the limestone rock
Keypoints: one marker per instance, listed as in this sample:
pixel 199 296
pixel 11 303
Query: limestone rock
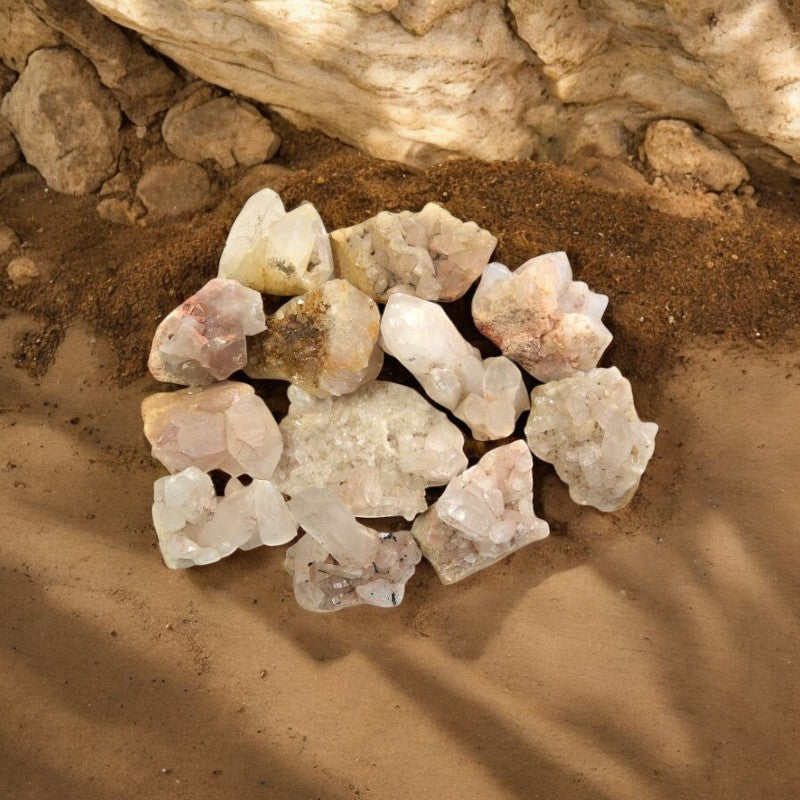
pixel 203 339
pixel 274 251
pixel 223 426
pixel 22 33
pixel 488 395
pixel 325 341
pixel 196 527
pixel 588 429
pixel 65 121
pixel 542 319
pixel 340 562
pixel 483 515
pixel 228 131
pixel 22 271
pixel 377 448
pixel 9 151
pixel 8 239
pixel 119 211
pixel 674 149
pixel 175 190
pixel 430 254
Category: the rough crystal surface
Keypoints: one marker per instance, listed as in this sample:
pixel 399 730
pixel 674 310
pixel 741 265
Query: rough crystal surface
pixel 377 448
pixel 224 426
pixel 488 394
pixel 483 515
pixel 588 429
pixel 340 562
pixel 430 254
pixel 203 340
pixel 542 319
pixel 274 251
pixel 196 527
pixel 325 341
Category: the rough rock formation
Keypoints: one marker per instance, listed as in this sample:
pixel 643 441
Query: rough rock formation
pixel 22 33
pixel 173 190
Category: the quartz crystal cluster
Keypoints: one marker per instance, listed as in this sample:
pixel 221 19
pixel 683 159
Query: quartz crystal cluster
pixel 353 448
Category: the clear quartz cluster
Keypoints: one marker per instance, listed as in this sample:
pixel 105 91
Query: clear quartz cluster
pixel 430 254
pixel 542 319
pixel 339 562
pixel 203 339
pixel 483 515
pixel 274 251
pixel 324 341
pixel 488 394
pixel 588 429
pixel 377 448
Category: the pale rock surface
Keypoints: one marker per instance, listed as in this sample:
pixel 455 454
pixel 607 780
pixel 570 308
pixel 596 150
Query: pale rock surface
pixel 174 190
pixel 542 319
pixel 22 33
pixel 65 121
pixel 378 448
pixel 22 271
pixel 9 150
pixel 274 251
pixel 8 239
pixel 340 562
pixel 588 429
pixel 195 527
pixel 487 394
pixel 430 254
pixel 325 341
pixel 223 426
pixel 203 339
pixel 483 515
pixel 119 184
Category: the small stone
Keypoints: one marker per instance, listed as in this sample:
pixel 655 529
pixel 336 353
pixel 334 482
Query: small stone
pixel 588 429
pixel 340 562
pixel 483 515
pixel 203 339
pixel 22 271
pixel 8 239
pixel 119 211
pixel 119 184
pixel 275 252
pixel 325 341
pixel 378 448
pixel 175 190
pixel 542 319
pixel 261 176
pixel 221 129
pixel 9 150
pixel 22 33
pixel 223 426
pixel 196 527
pixel 488 394
pixel 430 254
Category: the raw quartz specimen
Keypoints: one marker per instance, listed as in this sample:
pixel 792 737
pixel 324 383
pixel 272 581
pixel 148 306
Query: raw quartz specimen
pixel 196 527
pixel 203 340
pixel 340 562
pixel 274 251
pixel 542 319
pixel 224 426
pixel 378 448
pixel 430 254
pixel 588 429
pixel 325 341
pixel 483 515
pixel 488 395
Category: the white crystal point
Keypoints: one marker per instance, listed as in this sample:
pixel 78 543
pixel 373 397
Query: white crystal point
pixel 203 339
pixel 325 341
pixel 224 426
pixel 542 319
pixel 277 252
pixel 430 253
pixel 378 448
pixel 488 395
pixel 588 429
pixel 340 562
pixel 483 515
pixel 196 527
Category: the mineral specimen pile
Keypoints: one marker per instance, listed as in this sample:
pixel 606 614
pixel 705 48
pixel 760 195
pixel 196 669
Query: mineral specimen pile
pixel 483 515
pixel 488 395
pixel 339 562
pixel 377 448
pixel 430 254
pixel 542 319
pixel 588 429
pixel 203 340
pixel 325 341
pixel 274 251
